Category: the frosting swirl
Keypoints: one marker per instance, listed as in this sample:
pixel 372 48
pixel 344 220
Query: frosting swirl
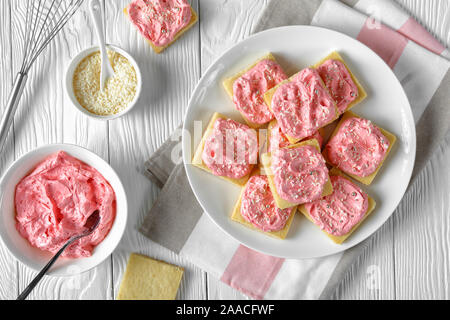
pixel 258 206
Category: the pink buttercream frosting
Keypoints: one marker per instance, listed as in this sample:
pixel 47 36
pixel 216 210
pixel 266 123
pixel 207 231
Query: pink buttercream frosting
pixel 258 206
pixel 339 212
pixel 358 148
pixel 159 21
pixel 339 83
pixel 248 90
pixel 300 174
pixel 231 150
pixel 278 139
pixel 54 201
pixel 303 105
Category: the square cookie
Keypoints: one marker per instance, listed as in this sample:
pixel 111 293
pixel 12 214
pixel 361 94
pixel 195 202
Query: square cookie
pixel 368 179
pixel 149 279
pixel 229 82
pixel 198 161
pixel 341 238
pixel 237 217
pixel 267 163
pixel 362 94
pixel 159 49
pixel 268 97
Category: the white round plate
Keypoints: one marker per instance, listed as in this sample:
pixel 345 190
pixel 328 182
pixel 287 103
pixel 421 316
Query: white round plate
pixel 35 258
pixel 297 47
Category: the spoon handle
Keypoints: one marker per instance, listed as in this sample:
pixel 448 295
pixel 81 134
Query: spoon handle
pixel 97 16
pixel 44 270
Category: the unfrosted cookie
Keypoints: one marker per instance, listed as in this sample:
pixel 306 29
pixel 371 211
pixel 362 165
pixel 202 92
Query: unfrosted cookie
pixel 149 279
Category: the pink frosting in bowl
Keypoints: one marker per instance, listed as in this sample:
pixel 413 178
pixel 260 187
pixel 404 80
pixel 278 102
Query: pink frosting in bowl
pixel 303 105
pixel 159 21
pixel 54 201
pixel 358 148
pixel 35 258
pixel 248 90
pixel 300 174
pixel 339 212
pixel 258 206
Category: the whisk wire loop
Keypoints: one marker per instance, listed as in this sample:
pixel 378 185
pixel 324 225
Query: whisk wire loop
pixel 43 21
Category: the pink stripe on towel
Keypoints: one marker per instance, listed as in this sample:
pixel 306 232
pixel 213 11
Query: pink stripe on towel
pixel 251 272
pixel 387 43
pixel 414 31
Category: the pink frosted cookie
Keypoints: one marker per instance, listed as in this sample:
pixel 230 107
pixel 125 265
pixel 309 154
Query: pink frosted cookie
pixel 341 212
pixel 339 83
pixel 161 22
pixel 258 206
pixel 297 174
pixel 300 174
pixel 342 84
pixel 231 150
pixel 303 105
pixel 248 87
pixel 228 149
pixel 358 147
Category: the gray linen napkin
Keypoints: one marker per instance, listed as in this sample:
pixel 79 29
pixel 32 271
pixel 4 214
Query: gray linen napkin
pixel 431 128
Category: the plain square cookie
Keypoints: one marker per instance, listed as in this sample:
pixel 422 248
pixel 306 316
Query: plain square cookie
pixel 149 279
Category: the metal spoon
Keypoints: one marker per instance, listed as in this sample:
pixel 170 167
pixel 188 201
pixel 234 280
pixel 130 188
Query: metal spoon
pixel 97 16
pixel 91 224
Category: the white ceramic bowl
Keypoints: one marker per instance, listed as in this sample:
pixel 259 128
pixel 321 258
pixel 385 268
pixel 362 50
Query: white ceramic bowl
pixel 69 82
pixel 34 257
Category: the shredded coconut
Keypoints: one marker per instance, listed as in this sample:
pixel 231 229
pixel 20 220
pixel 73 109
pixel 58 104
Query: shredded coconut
pixel 118 92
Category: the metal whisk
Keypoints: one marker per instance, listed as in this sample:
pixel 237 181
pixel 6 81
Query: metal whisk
pixel 44 19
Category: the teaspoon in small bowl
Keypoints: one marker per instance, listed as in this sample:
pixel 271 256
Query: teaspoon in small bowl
pixel 97 17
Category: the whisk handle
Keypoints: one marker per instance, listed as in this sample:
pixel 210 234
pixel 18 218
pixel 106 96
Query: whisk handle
pixel 10 110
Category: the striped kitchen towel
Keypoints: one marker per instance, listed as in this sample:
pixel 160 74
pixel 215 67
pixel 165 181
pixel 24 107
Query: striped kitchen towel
pixel 419 61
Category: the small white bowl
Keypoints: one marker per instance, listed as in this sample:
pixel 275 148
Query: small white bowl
pixel 35 258
pixel 69 81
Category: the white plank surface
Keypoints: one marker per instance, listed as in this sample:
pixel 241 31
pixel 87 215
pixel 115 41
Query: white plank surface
pixel 8 265
pixel 46 116
pixel 409 256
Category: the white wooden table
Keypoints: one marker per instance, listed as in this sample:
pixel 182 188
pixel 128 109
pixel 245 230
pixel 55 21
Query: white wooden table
pixel 409 257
